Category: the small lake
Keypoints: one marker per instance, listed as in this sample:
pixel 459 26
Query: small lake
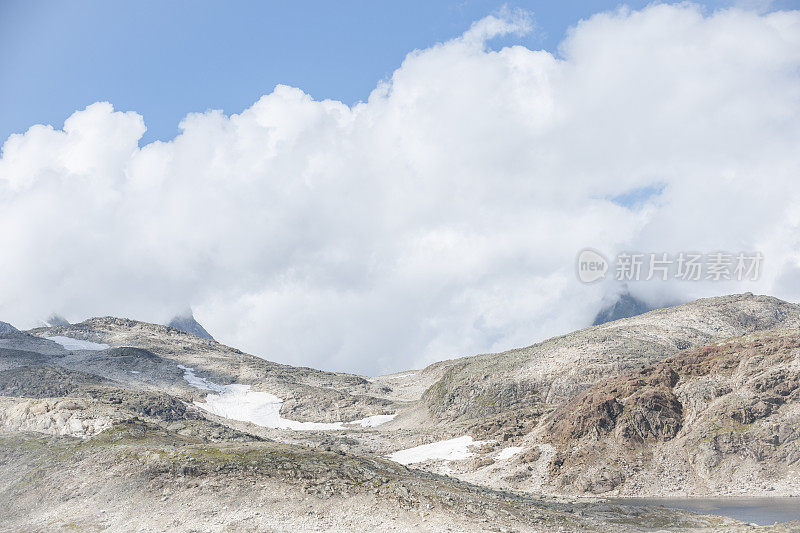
pixel 761 511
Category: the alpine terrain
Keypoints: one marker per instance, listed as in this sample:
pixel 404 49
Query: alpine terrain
pixel 114 424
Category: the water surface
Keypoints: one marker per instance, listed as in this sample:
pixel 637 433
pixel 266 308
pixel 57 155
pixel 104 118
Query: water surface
pixel 761 511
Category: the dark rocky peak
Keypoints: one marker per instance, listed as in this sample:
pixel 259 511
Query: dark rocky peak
pixel 625 306
pixel 186 322
pixel 5 328
pixel 56 320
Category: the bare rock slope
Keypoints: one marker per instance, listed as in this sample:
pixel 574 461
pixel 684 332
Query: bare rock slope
pixel 143 478
pixel 105 424
pixel 154 353
pixel 551 372
pixel 720 419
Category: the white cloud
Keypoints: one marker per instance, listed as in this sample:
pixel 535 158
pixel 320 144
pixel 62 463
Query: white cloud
pixel 441 217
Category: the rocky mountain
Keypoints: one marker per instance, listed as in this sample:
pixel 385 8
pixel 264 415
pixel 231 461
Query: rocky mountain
pixel 172 430
pixel 5 327
pixel 162 354
pixel 56 320
pixel 549 373
pixel 624 306
pixel 186 322
pixel 717 420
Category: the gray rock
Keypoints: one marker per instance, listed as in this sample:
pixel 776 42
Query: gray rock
pixel 56 320
pixel 186 323
pixel 625 306
pixel 5 327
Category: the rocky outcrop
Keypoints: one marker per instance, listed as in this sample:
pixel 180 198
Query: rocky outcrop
pixel 71 417
pixel 725 416
pixel 311 404
pixel 186 322
pixel 5 328
pixel 633 408
pixel 56 320
pixel 624 306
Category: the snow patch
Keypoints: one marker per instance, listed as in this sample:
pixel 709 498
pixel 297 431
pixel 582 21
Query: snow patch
pixel 198 382
pixel 372 421
pixel 77 344
pixel 508 453
pixel 239 402
pixel 448 450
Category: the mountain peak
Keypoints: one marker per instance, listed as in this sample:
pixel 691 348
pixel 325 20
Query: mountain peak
pixel 186 322
pixel 5 327
pixel 56 320
pixel 625 306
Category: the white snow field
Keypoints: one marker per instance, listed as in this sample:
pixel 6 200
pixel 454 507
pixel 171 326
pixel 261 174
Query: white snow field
pixel 508 453
pixel 372 421
pixel 239 402
pixel 77 344
pixel 448 450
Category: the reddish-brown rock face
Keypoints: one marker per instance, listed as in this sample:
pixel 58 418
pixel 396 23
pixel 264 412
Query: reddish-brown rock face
pixel 715 406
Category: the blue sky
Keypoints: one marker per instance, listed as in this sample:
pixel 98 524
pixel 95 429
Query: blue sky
pixel 165 59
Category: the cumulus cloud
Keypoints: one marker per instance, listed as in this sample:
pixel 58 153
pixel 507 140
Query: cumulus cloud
pixel 439 218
